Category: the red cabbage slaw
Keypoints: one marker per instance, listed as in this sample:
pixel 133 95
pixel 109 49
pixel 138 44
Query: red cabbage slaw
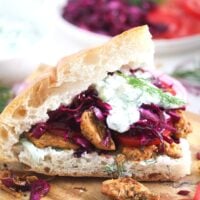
pixel 65 121
pixel 154 121
pixel 38 188
pixel 110 17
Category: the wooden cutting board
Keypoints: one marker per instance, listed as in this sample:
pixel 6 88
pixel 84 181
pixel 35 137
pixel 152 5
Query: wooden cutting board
pixel 64 188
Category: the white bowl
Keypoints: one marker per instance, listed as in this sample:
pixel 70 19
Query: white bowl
pixel 83 38
pixel 23 14
pixel 178 45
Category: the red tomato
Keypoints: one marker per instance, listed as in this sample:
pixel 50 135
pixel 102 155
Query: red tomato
pixel 197 193
pixel 174 16
pixel 161 16
pixel 133 141
pixel 192 7
pixel 166 133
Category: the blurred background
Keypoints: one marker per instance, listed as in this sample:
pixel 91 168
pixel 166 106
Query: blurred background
pixel 43 31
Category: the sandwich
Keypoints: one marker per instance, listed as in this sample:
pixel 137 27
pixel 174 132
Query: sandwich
pixel 102 112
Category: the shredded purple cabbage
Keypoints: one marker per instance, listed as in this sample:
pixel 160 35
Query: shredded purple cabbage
pixel 9 182
pixel 82 142
pixel 107 138
pixel 153 124
pixel 39 188
pixel 109 17
pixel 65 121
pixel 175 117
pixel 99 115
pixel 39 130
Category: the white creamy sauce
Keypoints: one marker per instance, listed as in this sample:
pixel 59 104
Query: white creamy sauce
pixel 125 101
pixel 16 35
pixel 144 75
pixel 36 154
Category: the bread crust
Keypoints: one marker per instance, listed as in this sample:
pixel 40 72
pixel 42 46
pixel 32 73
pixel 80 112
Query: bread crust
pixel 72 75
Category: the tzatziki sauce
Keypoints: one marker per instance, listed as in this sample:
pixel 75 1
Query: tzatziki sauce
pixel 17 35
pixel 125 101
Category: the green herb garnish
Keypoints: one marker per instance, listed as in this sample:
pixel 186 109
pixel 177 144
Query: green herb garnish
pixel 193 75
pixel 111 168
pixel 135 2
pixel 189 71
pixel 139 2
pixel 166 99
pixel 115 169
pixel 5 96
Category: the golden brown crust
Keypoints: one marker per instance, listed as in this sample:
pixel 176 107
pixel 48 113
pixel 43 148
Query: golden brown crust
pixel 95 131
pixel 126 189
pixel 39 72
pixel 17 110
pixel 172 150
pixel 50 140
pixel 183 126
pixel 139 154
pixel 33 96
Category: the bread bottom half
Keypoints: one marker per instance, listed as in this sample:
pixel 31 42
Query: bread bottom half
pixel 63 163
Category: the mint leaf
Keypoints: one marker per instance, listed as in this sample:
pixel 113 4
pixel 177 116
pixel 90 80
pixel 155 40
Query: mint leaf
pixel 5 96
pixel 166 99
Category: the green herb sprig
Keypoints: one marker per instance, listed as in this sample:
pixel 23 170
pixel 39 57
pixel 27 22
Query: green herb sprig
pixel 135 2
pixel 166 99
pixel 139 2
pixel 193 75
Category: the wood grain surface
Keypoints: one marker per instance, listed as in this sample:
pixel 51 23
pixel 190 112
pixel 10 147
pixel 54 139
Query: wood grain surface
pixel 64 188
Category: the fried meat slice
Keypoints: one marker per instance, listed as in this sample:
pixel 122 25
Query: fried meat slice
pixel 95 131
pixel 126 189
